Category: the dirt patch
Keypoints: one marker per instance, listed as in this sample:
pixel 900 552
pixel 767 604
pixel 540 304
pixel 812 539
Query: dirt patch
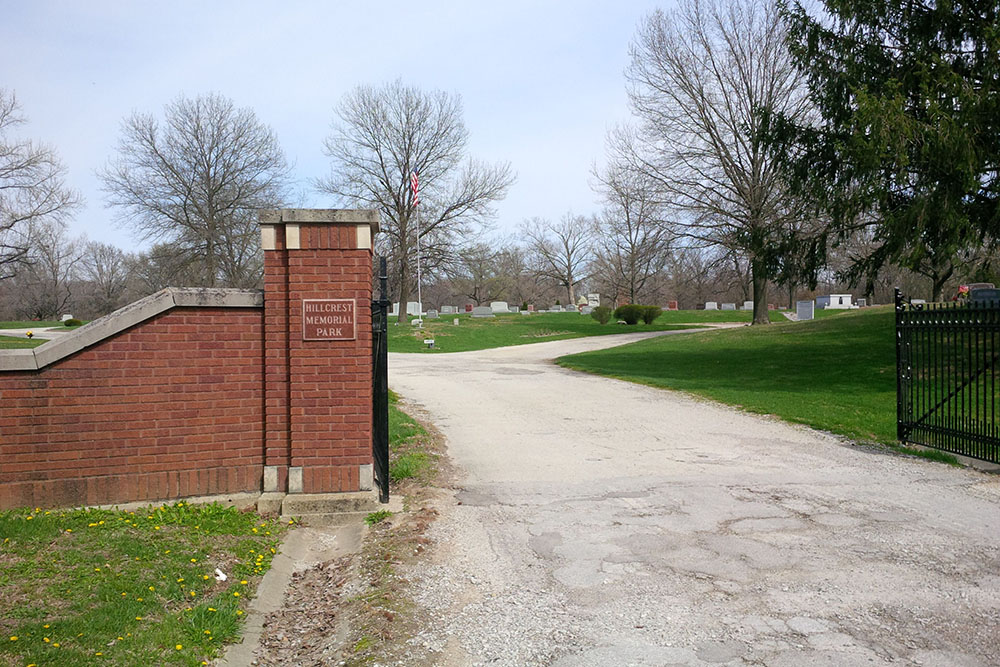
pixel 357 609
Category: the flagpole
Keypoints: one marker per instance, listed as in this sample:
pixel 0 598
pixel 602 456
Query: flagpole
pixel 415 188
pixel 420 301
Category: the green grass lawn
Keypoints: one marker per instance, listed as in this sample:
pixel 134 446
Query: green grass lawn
pixel 408 456
pixel 90 586
pixel 503 330
pixel 15 343
pixel 833 373
pixel 29 324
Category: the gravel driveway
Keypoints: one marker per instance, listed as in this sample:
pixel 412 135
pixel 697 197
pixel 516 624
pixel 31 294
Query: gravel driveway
pixel 606 523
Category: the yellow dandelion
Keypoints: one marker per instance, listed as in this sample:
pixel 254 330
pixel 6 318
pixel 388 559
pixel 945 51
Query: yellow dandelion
pixel 179 647
pixel 212 609
pixel 98 653
pixel 152 588
pixel 46 640
pixel 138 599
pixel 124 594
pixel 253 529
pixel 56 644
pixel 194 560
pixel 13 638
pixel 156 527
pixel 180 579
pixel 208 632
pixel 236 594
pixel 244 582
pixel 69 530
pixel 205 577
pixel 239 612
pixel 46 626
pixel 29 518
pixel 138 618
pixel 120 638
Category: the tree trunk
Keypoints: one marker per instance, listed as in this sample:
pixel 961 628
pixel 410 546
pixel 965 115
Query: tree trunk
pixel 572 297
pixel 791 296
pixel 759 279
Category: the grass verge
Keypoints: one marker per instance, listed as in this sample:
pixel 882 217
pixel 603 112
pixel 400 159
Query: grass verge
pixel 504 330
pixel 93 586
pixel 15 343
pixel 837 374
pixel 29 324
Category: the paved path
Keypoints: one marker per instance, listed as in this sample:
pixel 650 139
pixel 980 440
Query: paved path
pixel 606 523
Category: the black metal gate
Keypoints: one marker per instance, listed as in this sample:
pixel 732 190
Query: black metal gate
pixel 946 376
pixel 380 387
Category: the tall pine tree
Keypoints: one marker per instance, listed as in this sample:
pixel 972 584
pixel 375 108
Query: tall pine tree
pixel 908 135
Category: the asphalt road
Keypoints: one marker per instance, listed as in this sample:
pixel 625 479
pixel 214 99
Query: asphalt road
pixel 605 523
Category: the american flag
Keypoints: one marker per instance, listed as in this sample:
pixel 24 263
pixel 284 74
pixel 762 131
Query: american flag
pixel 413 186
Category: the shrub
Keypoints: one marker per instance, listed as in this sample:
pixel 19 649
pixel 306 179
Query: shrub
pixel 631 313
pixel 602 314
pixel 73 322
pixel 524 305
pixel 650 313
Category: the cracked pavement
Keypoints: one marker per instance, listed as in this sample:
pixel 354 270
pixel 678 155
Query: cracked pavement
pixel 601 522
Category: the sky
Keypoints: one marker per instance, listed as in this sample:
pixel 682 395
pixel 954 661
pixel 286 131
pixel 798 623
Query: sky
pixel 541 82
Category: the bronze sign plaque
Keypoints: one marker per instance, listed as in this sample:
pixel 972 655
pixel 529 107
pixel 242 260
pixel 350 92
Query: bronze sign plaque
pixel 328 319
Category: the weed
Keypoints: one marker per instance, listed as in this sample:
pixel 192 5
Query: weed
pixel 377 517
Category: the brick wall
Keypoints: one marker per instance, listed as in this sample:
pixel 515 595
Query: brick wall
pixel 166 409
pixel 193 392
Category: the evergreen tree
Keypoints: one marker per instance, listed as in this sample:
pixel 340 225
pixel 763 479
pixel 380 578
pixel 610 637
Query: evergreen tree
pixel 908 140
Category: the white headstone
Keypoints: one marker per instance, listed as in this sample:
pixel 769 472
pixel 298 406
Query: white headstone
pixel 593 300
pixel 413 308
pixel 805 310
pixel 499 306
pixel 556 309
pixel 513 309
pixel 448 310
pixel 526 312
pixel 711 305
pixel 586 310
pixel 862 302
pixel 432 314
pixel 729 306
pixel 394 311
pixel 748 305
pixel 482 311
pixel 66 317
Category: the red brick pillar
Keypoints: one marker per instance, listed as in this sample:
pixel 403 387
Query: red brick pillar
pixel 318 349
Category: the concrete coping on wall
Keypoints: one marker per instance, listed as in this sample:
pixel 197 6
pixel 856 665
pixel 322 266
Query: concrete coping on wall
pixel 125 317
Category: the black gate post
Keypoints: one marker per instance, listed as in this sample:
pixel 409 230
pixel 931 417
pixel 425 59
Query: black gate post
pixel 380 386
pixel 902 393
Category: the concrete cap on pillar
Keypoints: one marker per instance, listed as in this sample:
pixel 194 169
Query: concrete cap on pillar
pixel 365 221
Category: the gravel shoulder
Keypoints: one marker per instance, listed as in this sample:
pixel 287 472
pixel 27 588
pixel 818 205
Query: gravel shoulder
pixel 599 522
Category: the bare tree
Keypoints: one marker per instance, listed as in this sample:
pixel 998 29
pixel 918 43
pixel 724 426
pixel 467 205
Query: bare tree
pixel 563 250
pixel 383 135
pixel 703 79
pixel 106 269
pixel 31 187
pixel 45 284
pixel 632 237
pixel 479 274
pixel 163 265
pixel 197 181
